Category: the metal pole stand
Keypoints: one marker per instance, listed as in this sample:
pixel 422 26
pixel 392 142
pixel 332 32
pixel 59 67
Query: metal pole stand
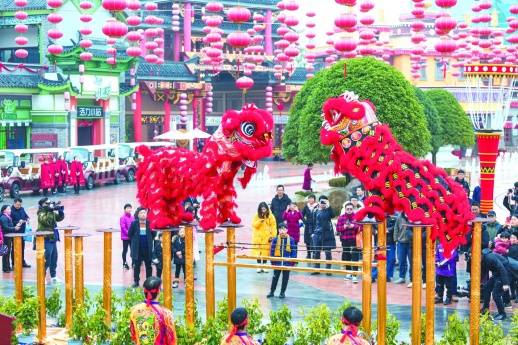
pixel 231 260
pixel 79 266
pixel 69 273
pixel 166 266
pixel 476 261
pixel 40 282
pixel 18 264
pixel 210 294
pixel 107 269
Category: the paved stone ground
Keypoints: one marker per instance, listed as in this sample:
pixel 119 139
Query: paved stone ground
pixel 102 207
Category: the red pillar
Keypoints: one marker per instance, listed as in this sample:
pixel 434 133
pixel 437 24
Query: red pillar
pixel 137 117
pixel 167 112
pixel 487 151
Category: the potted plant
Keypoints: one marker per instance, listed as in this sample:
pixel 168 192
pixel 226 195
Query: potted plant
pixel 54 304
pixel 99 331
pixel 79 332
pixel 27 318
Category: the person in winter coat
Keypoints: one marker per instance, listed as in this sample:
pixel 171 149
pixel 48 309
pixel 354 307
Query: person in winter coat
pixel 46 176
pixel 308 216
pixel 306 185
pixel 18 214
pixel 264 229
pixel 444 273
pixel 391 251
pixel 292 218
pixel 348 229
pixel 323 237
pixel 141 238
pixel 502 243
pixel 497 284
pixel 158 255
pixel 56 175
pixel 460 179
pixel 179 256
pixel 125 222
pixel 62 170
pixel 49 214
pixel 280 203
pixel 7 225
pixel 403 237
pixel 492 226
pixel 77 177
pixel 283 246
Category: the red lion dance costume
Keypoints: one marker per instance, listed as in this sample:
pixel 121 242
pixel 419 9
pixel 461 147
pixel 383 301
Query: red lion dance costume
pixel 166 177
pixel 395 180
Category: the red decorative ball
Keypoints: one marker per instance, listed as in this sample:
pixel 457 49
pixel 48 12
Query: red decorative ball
pixel 345 45
pixel 214 7
pixel 445 3
pixel 133 20
pixel 21 53
pixel 114 28
pixel 55 34
pixel 114 5
pixel 55 49
pixel 239 39
pixel 446 46
pixel 346 21
pixel 21 40
pixel 21 15
pixel 244 83
pixel 86 56
pixel 445 24
pixel 239 14
pixel 54 3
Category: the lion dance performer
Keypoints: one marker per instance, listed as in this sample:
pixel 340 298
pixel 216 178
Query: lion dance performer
pixel 351 319
pixel 149 320
pixel 168 176
pixel 238 334
pixel 394 179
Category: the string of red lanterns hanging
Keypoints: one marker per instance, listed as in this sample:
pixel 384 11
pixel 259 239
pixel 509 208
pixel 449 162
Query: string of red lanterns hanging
pixel 21 28
pixel 54 33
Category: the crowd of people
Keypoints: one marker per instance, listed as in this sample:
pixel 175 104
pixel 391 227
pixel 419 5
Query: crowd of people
pixel 56 174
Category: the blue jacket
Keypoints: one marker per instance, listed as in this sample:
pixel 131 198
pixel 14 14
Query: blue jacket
pixel 445 267
pixel 283 252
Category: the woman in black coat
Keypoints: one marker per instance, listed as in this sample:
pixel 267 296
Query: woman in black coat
pixel 7 227
pixel 179 256
pixel 141 242
pixel 323 236
pixel 308 215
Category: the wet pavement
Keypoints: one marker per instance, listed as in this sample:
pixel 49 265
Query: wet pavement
pixel 102 207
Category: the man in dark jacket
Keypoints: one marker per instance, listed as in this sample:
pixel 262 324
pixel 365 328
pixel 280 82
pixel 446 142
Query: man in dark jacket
pixel 497 284
pixel 18 214
pixel 324 236
pixel 141 238
pixel 283 246
pixel 7 227
pixel 391 250
pixel 308 216
pixel 402 238
pixel 280 203
pixel 48 216
pixel 460 179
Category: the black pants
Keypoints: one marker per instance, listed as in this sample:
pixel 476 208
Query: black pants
pixel 261 262
pixel 125 246
pixel 494 287
pixel 23 251
pixel 444 282
pixel 144 257
pixel 6 264
pixel 275 279
pixel 316 255
pixel 178 268
pixel 350 253
pixel 423 261
pixel 76 187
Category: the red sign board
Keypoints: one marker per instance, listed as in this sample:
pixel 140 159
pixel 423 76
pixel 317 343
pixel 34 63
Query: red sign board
pixel 44 140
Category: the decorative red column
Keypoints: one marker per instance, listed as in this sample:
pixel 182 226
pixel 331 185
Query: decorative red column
pixel 167 112
pixel 488 151
pixel 137 117
pixel 187 28
pixel 268 33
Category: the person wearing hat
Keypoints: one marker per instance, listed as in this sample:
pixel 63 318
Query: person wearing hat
pixel 238 334
pixel 351 319
pixel 149 320
pixel 283 246
pixel 492 225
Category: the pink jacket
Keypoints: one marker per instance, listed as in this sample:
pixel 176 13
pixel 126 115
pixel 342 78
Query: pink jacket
pixel 501 247
pixel 292 223
pixel 125 223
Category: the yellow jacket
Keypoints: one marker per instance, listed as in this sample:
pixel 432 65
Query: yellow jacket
pixel 262 231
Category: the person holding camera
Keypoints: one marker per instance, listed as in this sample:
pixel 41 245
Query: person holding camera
pixel 49 214
pixel 8 227
pixel 511 199
pixel 323 237
pixel 19 215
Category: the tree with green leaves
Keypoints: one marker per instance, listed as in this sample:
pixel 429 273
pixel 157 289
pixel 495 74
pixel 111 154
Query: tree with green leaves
pixel 456 128
pixel 433 122
pixel 386 87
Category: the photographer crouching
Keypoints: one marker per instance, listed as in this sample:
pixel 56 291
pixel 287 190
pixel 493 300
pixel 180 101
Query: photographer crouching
pixel 49 213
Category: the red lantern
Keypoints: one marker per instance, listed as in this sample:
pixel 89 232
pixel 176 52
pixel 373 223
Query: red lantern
pixel 54 18
pixel 446 46
pixel 291 51
pixel 349 3
pixel 367 20
pixel 417 26
pixel 446 3
pixel 151 58
pixel 345 45
pixel 291 5
pixel 346 21
pixel 513 9
pixel 418 12
pixel 55 49
pixel 485 5
pixel 21 15
pixel 114 28
pixel 20 3
pixel 214 7
pixel 133 20
pixel 239 15
pixel 85 44
pixel 114 5
pixel 245 83
pixel 21 53
pixel 85 5
pixel 239 39
pixel 85 31
pixel 55 34
pixel 85 18
pixel 366 6
pixel 86 56
pixel 21 40
pixel 21 28
pixel 445 24
pixel 291 21
pixel 291 36
pixel 54 3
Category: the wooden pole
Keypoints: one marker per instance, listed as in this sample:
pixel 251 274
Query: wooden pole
pixel 382 283
pixel 40 281
pixel 69 276
pixel 430 287
pixel 166 269
pixel 189 277
pixel 79 270
pixel 107 282
pixel 18 265
pixel 209 275
pixel 416 285
pixel 474 305
pixel 366 277
pixel 231 270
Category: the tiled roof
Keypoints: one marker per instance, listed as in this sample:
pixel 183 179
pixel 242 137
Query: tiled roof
pixel 168 71
pixel 8 5
pixel 299 76
pixel 19 81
